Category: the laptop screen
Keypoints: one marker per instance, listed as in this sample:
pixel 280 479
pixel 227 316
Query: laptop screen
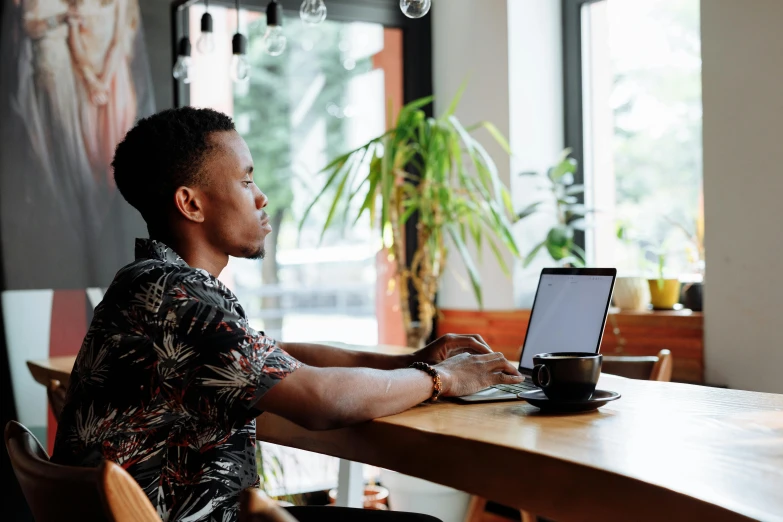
pixel 568 314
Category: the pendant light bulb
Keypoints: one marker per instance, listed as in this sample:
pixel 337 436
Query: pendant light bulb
pixel 312 12
pixel 206 42
pixel 275 41
pixel 415 8
pixel 274 38
pixel 182 67
pixel 240 67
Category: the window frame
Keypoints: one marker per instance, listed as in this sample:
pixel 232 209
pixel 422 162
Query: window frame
pixel 573 115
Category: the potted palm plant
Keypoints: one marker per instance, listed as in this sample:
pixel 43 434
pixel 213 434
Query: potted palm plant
pixel 435 169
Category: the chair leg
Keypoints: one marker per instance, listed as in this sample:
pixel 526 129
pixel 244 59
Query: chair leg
pixel 527 516
pixel 475 509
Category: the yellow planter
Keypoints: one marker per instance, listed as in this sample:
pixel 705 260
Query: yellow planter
pixel 666 296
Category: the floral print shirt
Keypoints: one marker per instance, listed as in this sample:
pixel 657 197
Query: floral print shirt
pixel 165 385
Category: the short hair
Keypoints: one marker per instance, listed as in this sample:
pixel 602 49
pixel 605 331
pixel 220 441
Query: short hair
pixel 161 153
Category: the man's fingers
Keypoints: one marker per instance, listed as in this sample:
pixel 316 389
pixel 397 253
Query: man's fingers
pixel 490 358
pixel 456 344
pixel 480 340
pixel 470 345
pixel 502 364
pixel 505 378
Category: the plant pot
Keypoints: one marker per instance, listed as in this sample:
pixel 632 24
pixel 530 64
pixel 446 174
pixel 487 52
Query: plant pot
pixel 419 496
pixel 375 497
pixel 631 293
pixel 666 296
pixel 693 296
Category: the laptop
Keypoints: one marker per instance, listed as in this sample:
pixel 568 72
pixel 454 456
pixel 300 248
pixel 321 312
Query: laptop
pixel 568 315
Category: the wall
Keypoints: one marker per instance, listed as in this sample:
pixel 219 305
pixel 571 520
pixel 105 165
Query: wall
pixel 157 32
pixel 509 52
pixel 537 133
pixel 742 52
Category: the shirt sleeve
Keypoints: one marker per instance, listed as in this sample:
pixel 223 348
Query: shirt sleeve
pixel 227 365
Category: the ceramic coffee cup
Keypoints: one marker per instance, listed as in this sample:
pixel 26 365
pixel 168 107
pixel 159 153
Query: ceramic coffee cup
pixel 569 376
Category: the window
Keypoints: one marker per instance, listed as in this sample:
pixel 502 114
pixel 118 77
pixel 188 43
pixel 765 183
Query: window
pixel 325 95
pixel 634 120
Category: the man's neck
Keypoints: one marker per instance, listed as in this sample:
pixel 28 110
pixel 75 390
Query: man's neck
pixel 198 254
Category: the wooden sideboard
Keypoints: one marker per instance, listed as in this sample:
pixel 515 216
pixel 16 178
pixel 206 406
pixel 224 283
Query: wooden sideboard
pixel 626 333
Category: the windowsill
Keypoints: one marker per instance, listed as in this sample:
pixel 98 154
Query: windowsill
pixel 684 312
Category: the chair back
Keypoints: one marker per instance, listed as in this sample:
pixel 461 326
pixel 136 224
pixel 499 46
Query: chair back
pixel 53 492
pixel 256 506
pixel 662 369
pixel 122 496
pixel 648 368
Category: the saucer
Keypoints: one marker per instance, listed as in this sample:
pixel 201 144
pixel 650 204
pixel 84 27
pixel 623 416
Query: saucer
pixel 539 400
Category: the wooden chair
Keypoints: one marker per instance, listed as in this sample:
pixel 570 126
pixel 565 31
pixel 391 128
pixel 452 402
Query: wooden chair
pixel 53 492
pixel 56 393
pixel 123 498
pixel 648 368
pixel 255 506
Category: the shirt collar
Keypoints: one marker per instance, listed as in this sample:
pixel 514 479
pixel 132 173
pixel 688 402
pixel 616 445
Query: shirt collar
pixel 152 249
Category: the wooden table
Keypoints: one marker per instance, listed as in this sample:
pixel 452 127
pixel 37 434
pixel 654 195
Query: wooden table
pixel 665 451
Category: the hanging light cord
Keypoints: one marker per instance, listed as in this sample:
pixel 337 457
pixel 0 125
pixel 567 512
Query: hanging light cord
pixel 206 5
pixel 237 1
pixel 184 22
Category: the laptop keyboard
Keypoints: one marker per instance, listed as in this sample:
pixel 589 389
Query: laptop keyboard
pixel 516 388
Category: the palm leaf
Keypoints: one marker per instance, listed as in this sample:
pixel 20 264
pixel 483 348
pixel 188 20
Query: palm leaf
pixel 528 210
pixel 499 257
pixel 333 208
pixel 532 254
pixel 338 168
pixel 455 101
pixel 495 134
pixel 370 198
pixel 473 273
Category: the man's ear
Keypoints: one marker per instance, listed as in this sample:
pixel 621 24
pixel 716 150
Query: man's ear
pixel 189 203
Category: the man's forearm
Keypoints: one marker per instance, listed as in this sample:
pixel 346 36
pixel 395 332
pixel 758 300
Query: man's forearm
pixel 325 356
pixel 329 398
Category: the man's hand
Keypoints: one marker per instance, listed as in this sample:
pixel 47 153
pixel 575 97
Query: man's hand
pixel 467 373
pixel 450 345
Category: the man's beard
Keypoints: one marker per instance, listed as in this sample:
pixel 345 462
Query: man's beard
pixel 255 254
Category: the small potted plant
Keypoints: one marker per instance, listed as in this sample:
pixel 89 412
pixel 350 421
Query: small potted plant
pixel 664 292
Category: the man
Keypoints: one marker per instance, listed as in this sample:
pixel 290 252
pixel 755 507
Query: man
pixel 170 377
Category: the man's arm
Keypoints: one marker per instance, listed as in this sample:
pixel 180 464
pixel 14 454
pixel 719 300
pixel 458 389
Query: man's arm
pixel 329 398
pixel 226 367
pixel 324 356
